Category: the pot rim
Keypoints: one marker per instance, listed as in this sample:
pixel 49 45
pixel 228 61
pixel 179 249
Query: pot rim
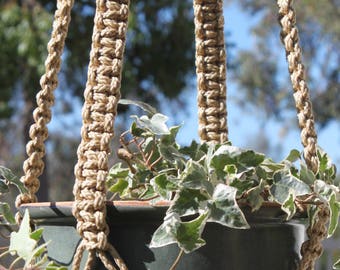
pixel 130 208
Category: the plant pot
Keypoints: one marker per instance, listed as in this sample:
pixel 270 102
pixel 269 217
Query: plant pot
pixel 271 243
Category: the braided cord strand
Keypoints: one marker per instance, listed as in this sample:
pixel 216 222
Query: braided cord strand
pixel 211 70
pixel 311 249
pixel 35 148
pixel 101 94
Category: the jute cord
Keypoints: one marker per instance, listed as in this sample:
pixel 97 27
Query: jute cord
pixel 311 249
pixel 101 94
pixel 211 70
pixel 35 148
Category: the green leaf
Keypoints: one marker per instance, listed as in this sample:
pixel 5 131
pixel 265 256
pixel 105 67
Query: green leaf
pixel 166 233
pixel 224 209
pixel 54 266
pixel 289 206
pixel 148 193
pixel 170 138
pixel 21 242
pixel 155 124
pixel 228 154
pixel 36 255
pixel 293 156
pixel 120 186
pixel 224 155
pixel 254 197
pixel 230 169
pixel 186 234
pixel 117 179
pixel 36 235
pixel 249 158
pixel 285 184
pixel 334 207
pixel 189 233
pixel 3 186
pixel 328 194
pixel 306 175
pixel 270 166
pixel 117 171
pixel 144 106
pixel 5 210
pixel 195 151
pixel 135 130
pixel 12 179
pixel 163 186
pixel 170 153
pixel 187 202
pixel 195 177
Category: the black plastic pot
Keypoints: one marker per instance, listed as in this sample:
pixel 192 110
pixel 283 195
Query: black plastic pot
pixel 270 244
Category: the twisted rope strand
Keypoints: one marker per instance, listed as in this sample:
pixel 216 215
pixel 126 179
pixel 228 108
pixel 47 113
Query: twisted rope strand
pixel 311 249
pixel 290 39
pixel 211 70
pixel 35 148
pixel 101 94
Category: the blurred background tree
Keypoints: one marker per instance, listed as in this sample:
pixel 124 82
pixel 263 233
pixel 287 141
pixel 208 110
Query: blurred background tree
pixel 159 51
pixel 319 26
pixel 158 69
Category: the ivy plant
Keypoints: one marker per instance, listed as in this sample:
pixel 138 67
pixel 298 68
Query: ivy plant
pixel 207 182
pixel 25 244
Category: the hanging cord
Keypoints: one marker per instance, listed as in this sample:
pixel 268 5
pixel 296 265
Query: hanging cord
pixel 211 70
pixel 35 148
pixel 312 248
pixel 101 94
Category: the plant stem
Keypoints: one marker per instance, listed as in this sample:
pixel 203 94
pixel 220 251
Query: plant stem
pixel 175 264
pixel 13 263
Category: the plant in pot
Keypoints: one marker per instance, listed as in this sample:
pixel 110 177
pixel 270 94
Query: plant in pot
pixel 204 191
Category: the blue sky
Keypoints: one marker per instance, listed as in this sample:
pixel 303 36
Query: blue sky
pixel 244 125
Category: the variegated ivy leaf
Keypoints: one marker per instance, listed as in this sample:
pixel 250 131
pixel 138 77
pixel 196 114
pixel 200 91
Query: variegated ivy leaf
pixel 166 233
pixel 284 184
pixel 188 202
pixel 5 211
pixel 328 193
pixel 195 176
pixel 254 197
pixel 170 153
pixel 189 233
pixel 116 179
pixel 23 236
pixel 156 124
pixel 186 234
pixel 293 156
pixel 289 206
pixel 144 106
pixel 170 139
pixel 241 158
pixel 306 175
pixel 9 176
pixel 163 186
pixel 224 208
pixel 285 188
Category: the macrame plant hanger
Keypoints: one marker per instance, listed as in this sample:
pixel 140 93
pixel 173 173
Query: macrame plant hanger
pixel 102 93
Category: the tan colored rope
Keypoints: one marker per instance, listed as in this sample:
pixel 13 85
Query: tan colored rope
pixel 211 70
pixel 102 93
pixel 312 248
pixel 35 148
pixel 290 39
